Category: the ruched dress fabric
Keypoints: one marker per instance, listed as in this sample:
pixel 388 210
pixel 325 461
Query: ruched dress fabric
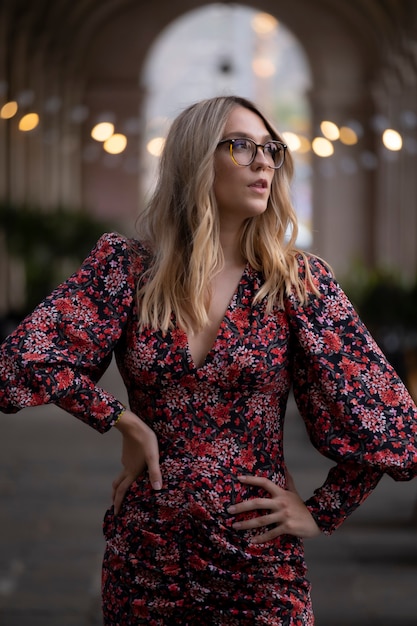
pixel 172 557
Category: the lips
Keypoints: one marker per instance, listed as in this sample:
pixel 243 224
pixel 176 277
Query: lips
pixel 261 184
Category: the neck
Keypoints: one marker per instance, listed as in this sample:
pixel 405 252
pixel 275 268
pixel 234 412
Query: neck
pixel 230 243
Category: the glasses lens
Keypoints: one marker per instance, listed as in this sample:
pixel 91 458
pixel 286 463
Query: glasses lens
pixel 243 151
pixel 274 152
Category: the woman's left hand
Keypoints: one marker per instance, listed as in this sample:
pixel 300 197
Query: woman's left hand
pixel 287 512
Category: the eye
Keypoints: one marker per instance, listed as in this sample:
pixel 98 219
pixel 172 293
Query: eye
pixel 272 148
pixel 242 145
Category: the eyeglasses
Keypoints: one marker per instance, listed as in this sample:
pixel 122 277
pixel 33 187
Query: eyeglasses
pixel 243 151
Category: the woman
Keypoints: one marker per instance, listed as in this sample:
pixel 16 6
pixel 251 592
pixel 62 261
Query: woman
pixel 212 315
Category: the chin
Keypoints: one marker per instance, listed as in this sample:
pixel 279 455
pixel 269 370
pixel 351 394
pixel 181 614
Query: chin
pixel 256 210
pixel 243 214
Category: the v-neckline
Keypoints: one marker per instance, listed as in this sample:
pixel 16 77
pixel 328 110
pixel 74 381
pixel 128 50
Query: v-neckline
pixel 192 363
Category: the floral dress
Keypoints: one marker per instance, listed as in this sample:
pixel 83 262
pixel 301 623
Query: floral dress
pixel 173 557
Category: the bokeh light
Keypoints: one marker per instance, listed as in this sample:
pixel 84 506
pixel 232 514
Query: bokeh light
pixel 392 139
pixel 115 144
pixel 9 110
pixel 102 131
pixel 29 122
pixel 322 147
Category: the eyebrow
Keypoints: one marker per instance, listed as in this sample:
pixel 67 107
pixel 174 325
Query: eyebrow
pixel 237 134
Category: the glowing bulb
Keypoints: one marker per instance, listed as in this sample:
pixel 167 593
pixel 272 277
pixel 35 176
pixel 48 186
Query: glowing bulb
pixel 330 130
pixel 29 122
pixel 155 146
pixel 102 131
pixel 322 147
pixel 296 143
pixel 8 110
pixel 292 140
pixel 392 140
pixel 115 144
pixel 348 136
pixel 264 23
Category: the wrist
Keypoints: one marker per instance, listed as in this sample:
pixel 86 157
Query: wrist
pixel 127 422
pixel 119 417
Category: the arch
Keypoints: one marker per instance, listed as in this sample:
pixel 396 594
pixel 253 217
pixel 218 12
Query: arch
pixel 338 93
pixel 212 50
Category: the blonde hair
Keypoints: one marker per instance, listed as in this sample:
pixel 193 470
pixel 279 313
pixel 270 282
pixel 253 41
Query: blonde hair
pixel 180 225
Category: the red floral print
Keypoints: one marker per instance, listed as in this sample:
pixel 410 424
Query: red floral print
pixel 173 557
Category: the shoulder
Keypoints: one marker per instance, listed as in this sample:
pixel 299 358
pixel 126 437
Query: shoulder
pixel 310 264
pixel 114 247
pixel 316 274
pixel 115 243
pixel 315 281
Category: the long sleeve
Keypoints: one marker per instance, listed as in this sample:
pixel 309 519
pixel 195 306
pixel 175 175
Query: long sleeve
pixel 356 409
pixel 60 351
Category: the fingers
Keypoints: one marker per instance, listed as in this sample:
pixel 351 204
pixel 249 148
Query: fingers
pixel 116 483
pixel 287 513
pixel 122 483
pixel 255 504
pixel 251 505
pixel 268 536
pixel 150 450
pixel 260 504
pixel 119 492
pixel 262 482
pixel 261 520
pixel 256 522
pixel 154 470
pixel 140 452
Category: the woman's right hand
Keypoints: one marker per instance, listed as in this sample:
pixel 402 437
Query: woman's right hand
pixel 140 450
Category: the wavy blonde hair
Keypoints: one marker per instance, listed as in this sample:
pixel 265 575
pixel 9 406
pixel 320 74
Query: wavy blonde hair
pixel 180 225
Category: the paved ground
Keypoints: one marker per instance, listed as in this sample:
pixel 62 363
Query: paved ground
pixel 55 477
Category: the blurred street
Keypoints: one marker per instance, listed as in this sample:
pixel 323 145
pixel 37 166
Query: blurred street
pixel 55 484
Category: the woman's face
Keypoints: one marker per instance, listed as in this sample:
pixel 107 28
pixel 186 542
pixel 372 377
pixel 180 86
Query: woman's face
pixel 242 192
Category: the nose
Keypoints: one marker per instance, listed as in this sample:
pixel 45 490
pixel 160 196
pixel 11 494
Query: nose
pixel 260 158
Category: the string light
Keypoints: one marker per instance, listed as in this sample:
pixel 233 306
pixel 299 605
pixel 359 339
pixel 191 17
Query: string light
pixel 115 144
pixel 102 131
pixel 264 23
pixel 348 136
pixel 9 110
pixel 392 139
pixel 330 130
pixel 322 147
pixel 292 140
pixel 29 122
pixel 155 146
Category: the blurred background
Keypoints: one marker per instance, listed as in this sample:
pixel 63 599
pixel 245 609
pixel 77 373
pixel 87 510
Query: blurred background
pixel 87 92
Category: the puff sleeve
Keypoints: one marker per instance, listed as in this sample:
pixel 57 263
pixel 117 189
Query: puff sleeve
pixel 357 411
pixel 60 351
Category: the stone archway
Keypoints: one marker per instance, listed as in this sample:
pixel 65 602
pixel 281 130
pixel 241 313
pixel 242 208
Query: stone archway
pixel 229 49
pixel 338 94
